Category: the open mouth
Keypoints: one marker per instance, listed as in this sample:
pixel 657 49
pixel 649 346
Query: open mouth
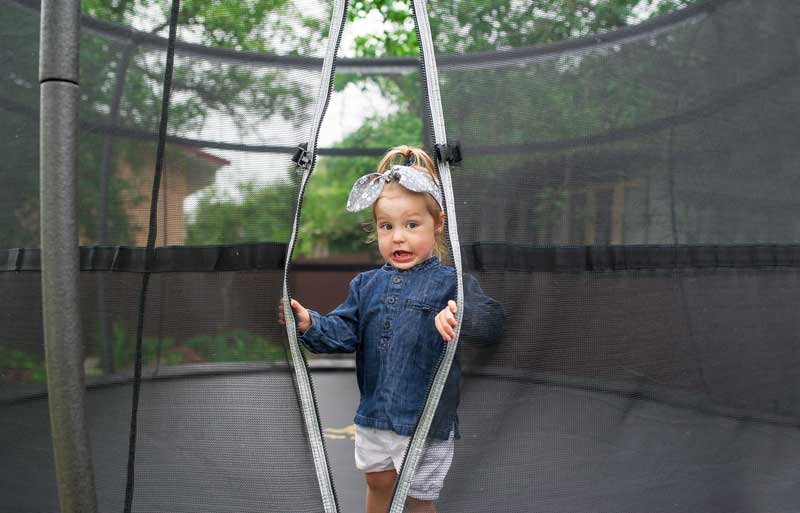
pixel 402 255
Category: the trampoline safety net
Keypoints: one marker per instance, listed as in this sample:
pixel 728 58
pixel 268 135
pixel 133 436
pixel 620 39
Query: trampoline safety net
pixel 628 200
pixel 624 201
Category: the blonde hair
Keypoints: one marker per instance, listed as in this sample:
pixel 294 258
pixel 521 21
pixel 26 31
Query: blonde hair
pixel 420 161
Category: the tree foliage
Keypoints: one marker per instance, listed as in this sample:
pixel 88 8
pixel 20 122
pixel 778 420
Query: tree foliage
pixel 262 214
pixel 474 25
pixel 463 26
pixel 251 25
pixel 326 227
pixel 237 92
pixel 459 26
pixel 245 95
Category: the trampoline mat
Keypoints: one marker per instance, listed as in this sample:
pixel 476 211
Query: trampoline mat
pixel 559 449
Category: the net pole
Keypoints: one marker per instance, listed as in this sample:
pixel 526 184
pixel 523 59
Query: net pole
pixel 58 147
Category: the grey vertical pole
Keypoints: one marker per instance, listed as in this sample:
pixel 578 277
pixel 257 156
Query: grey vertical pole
pixel 58 147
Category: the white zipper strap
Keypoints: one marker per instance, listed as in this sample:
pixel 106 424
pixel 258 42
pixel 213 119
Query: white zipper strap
pixel 302 379
pixel 337 22
pixel 431 71
pixel 308 407
pixel 417 445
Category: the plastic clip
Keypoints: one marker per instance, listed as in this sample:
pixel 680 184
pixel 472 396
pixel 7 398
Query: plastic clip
pixel 450 153
pixel 301 156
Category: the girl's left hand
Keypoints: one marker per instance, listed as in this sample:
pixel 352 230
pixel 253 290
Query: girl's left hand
pixel 446 321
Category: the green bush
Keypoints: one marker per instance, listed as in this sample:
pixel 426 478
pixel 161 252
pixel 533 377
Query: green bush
pixel 235 346
pixel 11 359
pixel 229 346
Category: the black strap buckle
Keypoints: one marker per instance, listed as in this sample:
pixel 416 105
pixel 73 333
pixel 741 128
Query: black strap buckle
pixel 450 153
pixel 301 156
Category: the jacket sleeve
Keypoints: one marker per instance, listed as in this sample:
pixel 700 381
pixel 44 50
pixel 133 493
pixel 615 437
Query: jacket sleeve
pixel 484 318
pixel 338 331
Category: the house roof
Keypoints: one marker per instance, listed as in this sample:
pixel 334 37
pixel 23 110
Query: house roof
pixel 212 159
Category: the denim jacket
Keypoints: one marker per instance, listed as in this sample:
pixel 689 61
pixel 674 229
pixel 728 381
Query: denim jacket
pixel 388 321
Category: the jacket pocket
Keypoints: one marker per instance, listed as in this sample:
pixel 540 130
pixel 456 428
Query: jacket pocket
pixel 413 304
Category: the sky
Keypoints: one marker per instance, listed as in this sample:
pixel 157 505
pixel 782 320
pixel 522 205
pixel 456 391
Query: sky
pixel 347 110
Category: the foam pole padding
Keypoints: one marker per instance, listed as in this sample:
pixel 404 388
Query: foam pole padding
pixel 59 102
pixel 59 40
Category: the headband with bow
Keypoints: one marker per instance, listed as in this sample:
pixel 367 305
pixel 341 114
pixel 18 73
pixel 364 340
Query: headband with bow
pixel 367 188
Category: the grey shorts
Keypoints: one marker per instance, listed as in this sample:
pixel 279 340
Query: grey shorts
pixel 380 449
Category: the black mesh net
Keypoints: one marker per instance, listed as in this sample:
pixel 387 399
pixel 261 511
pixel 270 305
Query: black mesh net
pixel 627 200
pixel 219 426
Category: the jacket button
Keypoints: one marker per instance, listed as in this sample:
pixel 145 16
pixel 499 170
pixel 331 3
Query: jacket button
pixel 392 299
pixel 396 279
pixel 386 324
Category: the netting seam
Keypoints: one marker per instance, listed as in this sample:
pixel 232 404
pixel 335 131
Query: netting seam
pixel 151 239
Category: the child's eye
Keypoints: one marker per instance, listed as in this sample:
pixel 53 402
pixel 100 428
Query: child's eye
pixel 412 224
pixel 385 226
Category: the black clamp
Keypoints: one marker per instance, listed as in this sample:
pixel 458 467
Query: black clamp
pixel 301 156
pixel 450 153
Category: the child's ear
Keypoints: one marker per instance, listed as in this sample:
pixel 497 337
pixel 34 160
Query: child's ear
pixel 440 224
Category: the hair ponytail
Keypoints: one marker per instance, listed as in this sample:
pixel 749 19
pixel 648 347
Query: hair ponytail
pixel 416 158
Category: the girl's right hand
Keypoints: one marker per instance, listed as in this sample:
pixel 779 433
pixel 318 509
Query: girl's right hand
pixel 301 316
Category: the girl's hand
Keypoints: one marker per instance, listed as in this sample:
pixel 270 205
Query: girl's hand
pixel 301 316
pixel 446 321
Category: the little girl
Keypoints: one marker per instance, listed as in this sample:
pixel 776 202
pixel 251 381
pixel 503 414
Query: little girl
pixel 397 319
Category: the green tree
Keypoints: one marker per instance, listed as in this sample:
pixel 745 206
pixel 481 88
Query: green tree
pixel 461 26
pixel 245 94
pixel 249 25
pixel 264 213
pixel 326 228
pixel 469 25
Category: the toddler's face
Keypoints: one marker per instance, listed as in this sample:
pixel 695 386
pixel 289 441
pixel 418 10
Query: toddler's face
pixel 406 229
